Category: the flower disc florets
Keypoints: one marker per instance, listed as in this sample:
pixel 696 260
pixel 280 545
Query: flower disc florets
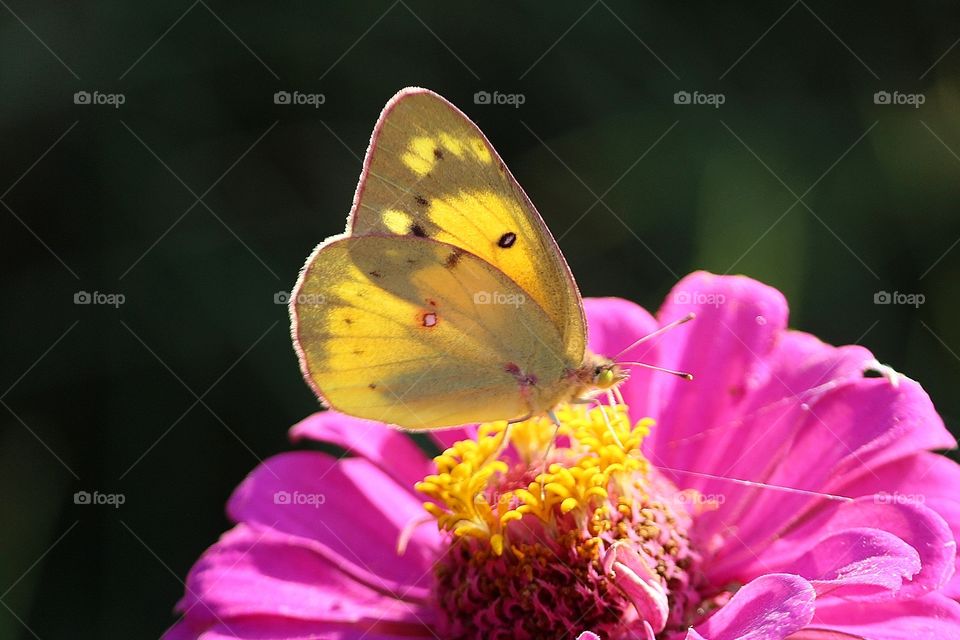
pixel 593 538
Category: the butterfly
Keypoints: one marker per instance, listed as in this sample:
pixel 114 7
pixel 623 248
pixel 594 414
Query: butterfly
pixel 446 301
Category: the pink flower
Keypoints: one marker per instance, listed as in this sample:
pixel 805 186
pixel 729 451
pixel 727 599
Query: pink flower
pixel 839 522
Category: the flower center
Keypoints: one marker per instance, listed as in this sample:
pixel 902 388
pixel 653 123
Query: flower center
pixel 551 537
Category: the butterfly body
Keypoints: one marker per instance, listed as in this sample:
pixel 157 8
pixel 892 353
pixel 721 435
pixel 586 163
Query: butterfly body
pixel 446 301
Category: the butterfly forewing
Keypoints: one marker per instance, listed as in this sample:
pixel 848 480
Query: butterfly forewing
pixel 421 334
pixel 431 173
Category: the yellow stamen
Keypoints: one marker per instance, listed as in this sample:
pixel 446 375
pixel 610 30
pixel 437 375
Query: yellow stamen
pixel 477 491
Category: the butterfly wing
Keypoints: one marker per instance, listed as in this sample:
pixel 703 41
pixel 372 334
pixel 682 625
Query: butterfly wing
pixel 421 334
pixel 430 172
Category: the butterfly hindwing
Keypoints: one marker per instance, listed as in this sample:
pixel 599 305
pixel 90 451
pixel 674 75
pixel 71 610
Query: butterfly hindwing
pixel 430 172
pixel 419 333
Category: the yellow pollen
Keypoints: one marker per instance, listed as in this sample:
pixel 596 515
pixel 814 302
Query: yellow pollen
pixel 478 489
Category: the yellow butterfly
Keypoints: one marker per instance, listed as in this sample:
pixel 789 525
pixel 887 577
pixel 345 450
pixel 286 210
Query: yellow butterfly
pixel 446 301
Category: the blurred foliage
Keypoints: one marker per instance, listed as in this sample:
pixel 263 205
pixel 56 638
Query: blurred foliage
pixel 172 398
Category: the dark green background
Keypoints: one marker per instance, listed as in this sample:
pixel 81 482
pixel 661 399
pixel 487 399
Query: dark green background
pixel 199 79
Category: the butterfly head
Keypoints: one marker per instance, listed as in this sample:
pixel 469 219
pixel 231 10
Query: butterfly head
pixel 600 373
pixel 608 375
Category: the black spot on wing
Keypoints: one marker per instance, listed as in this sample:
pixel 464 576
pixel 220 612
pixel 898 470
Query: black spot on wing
pixel 437 153
pixel 417 229
pixel 420 200
pixel 453 259
pixel 507 240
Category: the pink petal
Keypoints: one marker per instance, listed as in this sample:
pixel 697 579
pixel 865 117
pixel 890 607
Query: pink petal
pixel 933 616
pixel 348 510
pixel 799 370
pixel 768 608
pixel 857 563
pixel 390 449
pixel 921 528
pixel 816 446
pixel 614 324
pixel 924 478
pixel 588 635
pixel 447 437
pixel 271 628
pixel 252 572
pixel 724 349
pixel 640 583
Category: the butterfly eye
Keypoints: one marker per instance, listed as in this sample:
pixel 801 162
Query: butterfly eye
pixel 606 378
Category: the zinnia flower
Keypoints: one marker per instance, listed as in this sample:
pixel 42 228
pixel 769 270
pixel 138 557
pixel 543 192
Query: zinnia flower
pixel 783 493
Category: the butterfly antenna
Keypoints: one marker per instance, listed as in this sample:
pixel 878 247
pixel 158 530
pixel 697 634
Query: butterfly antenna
pixel 667 327
pixel 680 374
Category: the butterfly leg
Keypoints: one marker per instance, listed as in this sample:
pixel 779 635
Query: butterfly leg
pixel 546 454
pixel 613 433
pixel 504 440
pixel 618 395
pixel 603 412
